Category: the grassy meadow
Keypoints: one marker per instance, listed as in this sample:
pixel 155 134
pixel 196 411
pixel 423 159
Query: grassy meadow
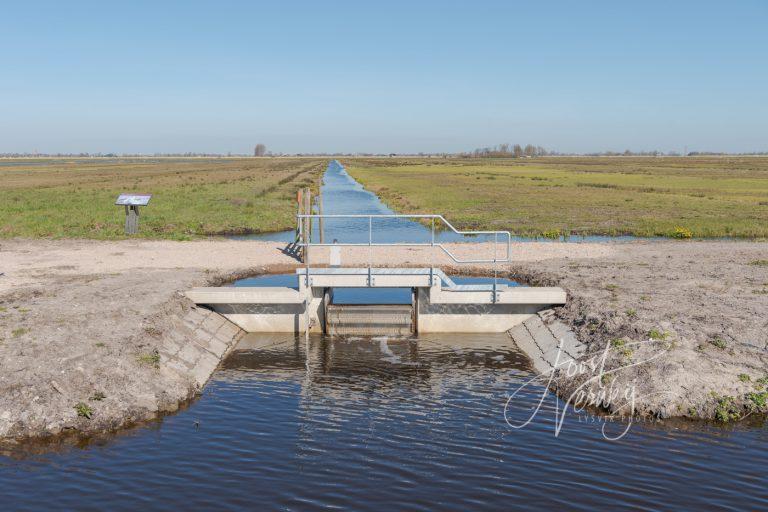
pixel 643 196
pixel 192 197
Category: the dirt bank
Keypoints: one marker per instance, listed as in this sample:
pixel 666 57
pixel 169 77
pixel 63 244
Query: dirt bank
pixel 698 310
pixel 79 319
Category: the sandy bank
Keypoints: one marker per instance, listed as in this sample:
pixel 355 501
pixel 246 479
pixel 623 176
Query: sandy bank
pixel 85 317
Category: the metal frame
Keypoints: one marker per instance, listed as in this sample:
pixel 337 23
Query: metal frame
pixel 307 243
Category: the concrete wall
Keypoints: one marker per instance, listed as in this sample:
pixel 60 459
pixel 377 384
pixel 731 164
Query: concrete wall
pixel 276 317
pixel 469 316
pixel 285 310
pixel 200 340
pixel 547 341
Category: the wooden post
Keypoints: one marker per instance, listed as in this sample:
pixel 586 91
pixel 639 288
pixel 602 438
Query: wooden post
pixel 131 220
pixel 308 238
pixel 308 211
pixel 299 238
pixel 320 220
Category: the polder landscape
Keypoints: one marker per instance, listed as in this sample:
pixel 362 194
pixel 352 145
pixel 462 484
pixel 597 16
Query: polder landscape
pixel 663 259
pixel 548 197
pixel 250 260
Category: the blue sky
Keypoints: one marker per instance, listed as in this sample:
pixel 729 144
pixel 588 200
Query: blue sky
pixel 385 76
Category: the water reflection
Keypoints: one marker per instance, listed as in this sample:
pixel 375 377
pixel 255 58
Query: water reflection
pixel 382 424
pixel 346 360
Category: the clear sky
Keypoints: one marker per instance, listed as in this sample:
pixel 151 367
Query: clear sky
pixel 385 76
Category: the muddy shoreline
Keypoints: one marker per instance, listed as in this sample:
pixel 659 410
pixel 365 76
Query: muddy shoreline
pixel 81 319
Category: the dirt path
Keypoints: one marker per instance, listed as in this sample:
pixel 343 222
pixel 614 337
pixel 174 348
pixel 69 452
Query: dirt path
pixel 77 318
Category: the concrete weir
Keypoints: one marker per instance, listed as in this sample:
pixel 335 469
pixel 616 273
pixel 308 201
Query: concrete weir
pixel 438 304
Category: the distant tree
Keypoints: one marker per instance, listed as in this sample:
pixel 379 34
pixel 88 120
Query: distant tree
pixel 530 150
pixel 517 151
pixel 504 149
pixel 260 150
pixel 540 151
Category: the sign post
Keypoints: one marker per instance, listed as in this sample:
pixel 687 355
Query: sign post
pixel 132 203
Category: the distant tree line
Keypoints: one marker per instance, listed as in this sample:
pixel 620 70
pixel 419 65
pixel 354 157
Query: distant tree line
pixel 500 151
pixel 507 151
pixel 531 151
pixel 627 152
pixel 116 155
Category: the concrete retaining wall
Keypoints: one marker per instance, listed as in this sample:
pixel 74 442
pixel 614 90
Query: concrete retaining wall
pixel 275 309
pixel 200 340
pixel 441 311
pixel 540 338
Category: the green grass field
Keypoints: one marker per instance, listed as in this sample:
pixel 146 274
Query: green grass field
pixel 667 196
pixel 194 197
pixel 191 197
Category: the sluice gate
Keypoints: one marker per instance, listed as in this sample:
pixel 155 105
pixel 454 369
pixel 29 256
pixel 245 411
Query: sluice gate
pixel 369 320
pixel 438 304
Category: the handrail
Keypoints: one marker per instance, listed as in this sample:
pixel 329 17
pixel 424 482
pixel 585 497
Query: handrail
pixel 306 241
pixel 371 243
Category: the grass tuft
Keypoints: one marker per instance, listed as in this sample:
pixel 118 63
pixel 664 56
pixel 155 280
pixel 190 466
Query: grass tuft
pixel 726 409
pixel 151 359
pixel 84 410
pixel 719 342
pixel 757 401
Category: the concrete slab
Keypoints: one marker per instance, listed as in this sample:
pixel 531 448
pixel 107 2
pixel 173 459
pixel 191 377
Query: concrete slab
pixel 539 337
pixel 544 296
pixel 245 295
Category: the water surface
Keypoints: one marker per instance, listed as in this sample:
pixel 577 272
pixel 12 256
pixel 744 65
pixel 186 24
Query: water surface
pixel 388 424
pixel 363 295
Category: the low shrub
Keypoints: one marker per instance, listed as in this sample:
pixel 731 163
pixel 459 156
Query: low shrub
pixel 682 233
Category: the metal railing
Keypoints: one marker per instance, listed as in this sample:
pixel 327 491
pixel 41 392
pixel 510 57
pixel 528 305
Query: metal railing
pixel 305 239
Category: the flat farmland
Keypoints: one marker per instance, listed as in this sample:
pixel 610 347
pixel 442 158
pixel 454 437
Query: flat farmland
pixel 679 197
pixel 192 197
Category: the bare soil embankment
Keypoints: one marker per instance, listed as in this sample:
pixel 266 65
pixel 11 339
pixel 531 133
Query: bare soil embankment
pixel 82 319
pixel 697 310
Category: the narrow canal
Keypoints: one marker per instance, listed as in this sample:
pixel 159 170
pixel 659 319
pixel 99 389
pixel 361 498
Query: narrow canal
pixel 421 423
pixel 343 195
pixel 389 424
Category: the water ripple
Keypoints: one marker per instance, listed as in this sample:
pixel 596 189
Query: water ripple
pixel 360 431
